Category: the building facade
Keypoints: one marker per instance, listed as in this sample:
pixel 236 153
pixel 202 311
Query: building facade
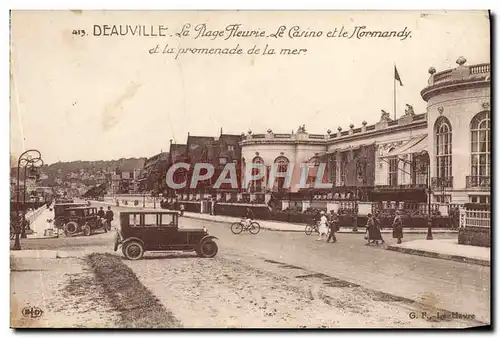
pixel 446 149
pixel 459 129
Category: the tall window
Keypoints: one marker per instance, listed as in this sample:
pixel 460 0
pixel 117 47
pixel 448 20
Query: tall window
pixel 313 170
pixel 257 185
pixel 419 168
pixel 333 171
pixel 443 147
pixel 393 171
pixel 282 166
pixel 480 145
pixel 343 168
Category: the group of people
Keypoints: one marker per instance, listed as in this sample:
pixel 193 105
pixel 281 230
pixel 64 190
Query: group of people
pixel 373 234
pixel 329 225
pixel 106 217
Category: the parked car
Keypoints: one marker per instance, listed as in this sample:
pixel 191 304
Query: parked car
pixel 83 219
pixel 142 231
pixel 59 213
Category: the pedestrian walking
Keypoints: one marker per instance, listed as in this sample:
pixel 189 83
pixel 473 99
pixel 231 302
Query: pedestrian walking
pixel 323 228
pixel 373 231
pixel 397 227
pixel 109 218
pixel 333 224
pixel 378 228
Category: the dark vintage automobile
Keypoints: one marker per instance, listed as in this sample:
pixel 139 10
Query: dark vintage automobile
pixel 60 215
pixel 83 219
pixel 142 231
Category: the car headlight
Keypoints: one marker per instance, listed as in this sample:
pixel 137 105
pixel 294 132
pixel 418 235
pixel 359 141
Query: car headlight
pixel 204 229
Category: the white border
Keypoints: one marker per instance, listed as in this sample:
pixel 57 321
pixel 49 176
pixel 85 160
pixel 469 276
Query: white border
pixel 200 4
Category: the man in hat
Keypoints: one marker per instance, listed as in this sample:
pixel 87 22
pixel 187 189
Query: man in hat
pixel 333 225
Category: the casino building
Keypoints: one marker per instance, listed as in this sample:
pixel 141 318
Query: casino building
pixel 446 148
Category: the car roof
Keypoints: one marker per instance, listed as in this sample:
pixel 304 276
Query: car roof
pixel 81 208
pixel 57 204
pixel 142 212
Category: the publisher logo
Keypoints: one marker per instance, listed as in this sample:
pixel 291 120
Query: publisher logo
pixel 32 312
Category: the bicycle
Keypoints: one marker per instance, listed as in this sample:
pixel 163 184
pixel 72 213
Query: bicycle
pixel 311 227
pixel 238 227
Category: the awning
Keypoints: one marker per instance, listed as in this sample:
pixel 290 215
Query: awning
pixel 414 145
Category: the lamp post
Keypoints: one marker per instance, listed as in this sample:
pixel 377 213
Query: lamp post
pixel 33 159
pixel 429 218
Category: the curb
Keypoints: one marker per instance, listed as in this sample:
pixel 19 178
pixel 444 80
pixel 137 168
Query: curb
pixel 438 255
pixel 44 237
pixel 361 231
pixel 38 254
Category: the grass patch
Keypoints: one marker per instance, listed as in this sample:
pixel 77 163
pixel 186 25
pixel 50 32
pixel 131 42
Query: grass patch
pixel 137 306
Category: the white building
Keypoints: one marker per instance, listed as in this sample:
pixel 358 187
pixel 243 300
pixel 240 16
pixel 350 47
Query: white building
pixel 452 139
pixel 458 108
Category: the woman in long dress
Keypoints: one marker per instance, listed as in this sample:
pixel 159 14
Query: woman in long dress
pixel 374 234
pixel 323 228
pixel 397 227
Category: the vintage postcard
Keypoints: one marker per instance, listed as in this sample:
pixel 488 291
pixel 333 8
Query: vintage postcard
pixel 250 169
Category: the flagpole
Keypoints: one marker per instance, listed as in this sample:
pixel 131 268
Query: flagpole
pixel 394 80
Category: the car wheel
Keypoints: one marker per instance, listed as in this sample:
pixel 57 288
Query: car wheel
pixel 134 250
pixel 70 228
pixel 236 228
pixel 254 228
pixel 208 249
pixel 86 230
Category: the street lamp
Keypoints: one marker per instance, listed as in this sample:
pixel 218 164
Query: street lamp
pixel 29 159
pixel 429 195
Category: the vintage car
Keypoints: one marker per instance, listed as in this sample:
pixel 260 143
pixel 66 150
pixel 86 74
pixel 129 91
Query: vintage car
pixel 142 231
pixel 83 219
pixel 60 215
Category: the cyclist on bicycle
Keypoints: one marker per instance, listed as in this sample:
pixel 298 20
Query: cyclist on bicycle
pixel 249 216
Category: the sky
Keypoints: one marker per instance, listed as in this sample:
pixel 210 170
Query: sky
pixel 106 97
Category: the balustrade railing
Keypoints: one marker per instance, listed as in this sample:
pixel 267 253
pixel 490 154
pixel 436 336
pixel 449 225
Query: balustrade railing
pixel 478 182
pixel 442 182
pixel 480 68
pixel 478 218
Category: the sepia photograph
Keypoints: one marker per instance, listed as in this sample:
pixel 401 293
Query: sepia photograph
pixel 250 169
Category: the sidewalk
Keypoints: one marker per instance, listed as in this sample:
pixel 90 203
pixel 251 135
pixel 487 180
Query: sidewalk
pixel 281 226
pixel 294 227
pixel 445 249
pixel 64 289
pixel 40 224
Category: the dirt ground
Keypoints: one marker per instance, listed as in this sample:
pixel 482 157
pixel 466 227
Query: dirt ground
pixel 241 291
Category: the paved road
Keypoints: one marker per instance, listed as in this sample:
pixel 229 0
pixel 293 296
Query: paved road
pixel 454 286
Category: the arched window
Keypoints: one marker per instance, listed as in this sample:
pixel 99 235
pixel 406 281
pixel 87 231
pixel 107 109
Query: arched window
pixel 282 166
pixel 257 185
pixel 480 147
pixel 443 134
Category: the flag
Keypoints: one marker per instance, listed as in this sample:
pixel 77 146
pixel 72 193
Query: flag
pixel 396 76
